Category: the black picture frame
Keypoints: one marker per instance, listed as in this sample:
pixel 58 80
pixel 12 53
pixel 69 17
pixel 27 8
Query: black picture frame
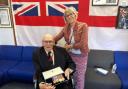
pixel 122 18
pixel 105 2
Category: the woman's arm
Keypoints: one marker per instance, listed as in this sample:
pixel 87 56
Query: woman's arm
pixel 59 36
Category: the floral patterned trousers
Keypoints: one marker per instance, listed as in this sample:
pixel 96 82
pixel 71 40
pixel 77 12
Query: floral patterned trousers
pixel 81 65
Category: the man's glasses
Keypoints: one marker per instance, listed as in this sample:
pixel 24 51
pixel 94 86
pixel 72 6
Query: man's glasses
pixel 48 42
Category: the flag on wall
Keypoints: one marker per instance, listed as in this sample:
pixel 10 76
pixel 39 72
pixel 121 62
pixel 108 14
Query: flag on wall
pixel 36 17
pixel 41 11
pixel 26 9
pixel 48 10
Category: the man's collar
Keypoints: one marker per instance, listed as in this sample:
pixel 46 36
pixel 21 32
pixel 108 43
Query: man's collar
pixel 48 51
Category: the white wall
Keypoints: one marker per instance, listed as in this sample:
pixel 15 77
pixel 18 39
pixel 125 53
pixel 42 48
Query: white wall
pixel 6 36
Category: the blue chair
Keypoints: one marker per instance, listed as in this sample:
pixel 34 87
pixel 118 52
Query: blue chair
pixel 10 56
pixel 121 60
pixel 24 71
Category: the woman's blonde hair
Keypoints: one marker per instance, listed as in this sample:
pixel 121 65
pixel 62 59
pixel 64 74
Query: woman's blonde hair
pixel 70 9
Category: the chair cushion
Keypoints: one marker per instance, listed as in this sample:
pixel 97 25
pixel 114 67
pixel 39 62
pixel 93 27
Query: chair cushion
pixel 95 80
pixel 22 72
pixel 123 75
pixel 5 65
pixel 1 78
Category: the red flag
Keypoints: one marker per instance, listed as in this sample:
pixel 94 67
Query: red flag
pixel 43 17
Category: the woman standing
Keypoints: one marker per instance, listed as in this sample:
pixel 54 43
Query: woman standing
pixel 75 34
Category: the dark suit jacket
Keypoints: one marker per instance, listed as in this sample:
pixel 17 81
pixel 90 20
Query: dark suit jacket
pixel 42 63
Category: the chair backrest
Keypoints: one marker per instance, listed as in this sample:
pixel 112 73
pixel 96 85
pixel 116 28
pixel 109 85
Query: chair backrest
pixel 100 58
pixel 10 52
pixel 27 53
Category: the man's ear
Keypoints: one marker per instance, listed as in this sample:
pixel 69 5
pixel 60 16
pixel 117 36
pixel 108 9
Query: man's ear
pixel 54 43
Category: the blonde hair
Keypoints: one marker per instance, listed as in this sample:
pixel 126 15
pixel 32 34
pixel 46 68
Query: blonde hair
pixel 70 9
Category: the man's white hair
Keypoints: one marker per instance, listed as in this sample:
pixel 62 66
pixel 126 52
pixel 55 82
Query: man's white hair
pixel 48 37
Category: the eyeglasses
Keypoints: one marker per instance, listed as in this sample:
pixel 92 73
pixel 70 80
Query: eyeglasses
pixel 48 42
pixel 67 15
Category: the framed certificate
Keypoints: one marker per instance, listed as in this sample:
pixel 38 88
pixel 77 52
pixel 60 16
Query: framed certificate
pixel 5 18
pixel 4 3
pixel 104 2
pixel 54 76
pixel 122 18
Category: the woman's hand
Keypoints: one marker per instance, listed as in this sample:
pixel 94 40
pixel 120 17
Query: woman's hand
pixel 46 86
pixel 68 46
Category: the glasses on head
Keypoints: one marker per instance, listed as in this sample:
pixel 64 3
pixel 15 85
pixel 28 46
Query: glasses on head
pixel 48 42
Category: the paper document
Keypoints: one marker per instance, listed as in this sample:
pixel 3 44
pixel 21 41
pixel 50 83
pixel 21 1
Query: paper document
pixel 53 72
pixel 101 70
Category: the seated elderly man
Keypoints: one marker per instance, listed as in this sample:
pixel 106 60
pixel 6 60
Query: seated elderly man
pixel 49 57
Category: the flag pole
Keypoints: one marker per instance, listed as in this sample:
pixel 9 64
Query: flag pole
pixel 13 22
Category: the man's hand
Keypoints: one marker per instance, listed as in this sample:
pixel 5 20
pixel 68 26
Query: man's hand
pixel 67 72
pixel 46 86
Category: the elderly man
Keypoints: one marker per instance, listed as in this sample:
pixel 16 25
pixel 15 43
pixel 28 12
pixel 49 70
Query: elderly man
pixel 58 58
